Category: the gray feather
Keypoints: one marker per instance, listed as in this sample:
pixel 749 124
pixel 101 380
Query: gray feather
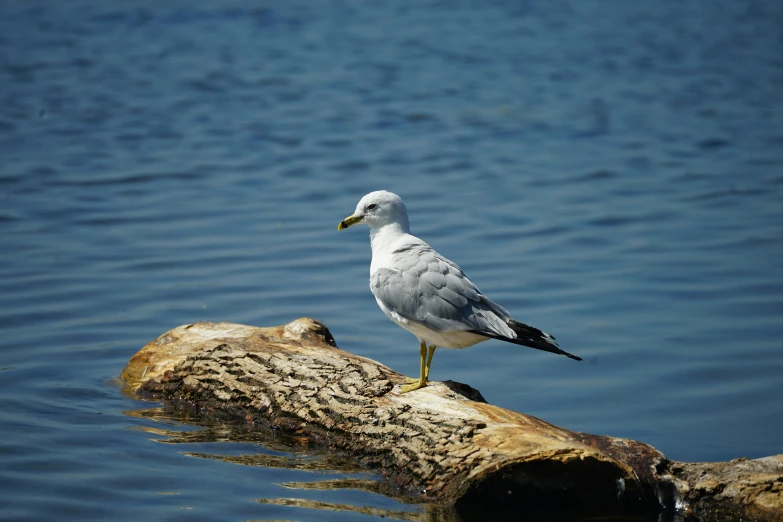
pixel 424 287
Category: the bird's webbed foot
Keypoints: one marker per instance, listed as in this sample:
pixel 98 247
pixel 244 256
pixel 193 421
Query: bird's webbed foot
pixel 413 384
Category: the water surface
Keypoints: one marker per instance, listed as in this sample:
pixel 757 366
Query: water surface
pixel 609 172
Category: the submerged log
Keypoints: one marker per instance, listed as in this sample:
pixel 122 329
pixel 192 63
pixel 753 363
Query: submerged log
pixel 442 443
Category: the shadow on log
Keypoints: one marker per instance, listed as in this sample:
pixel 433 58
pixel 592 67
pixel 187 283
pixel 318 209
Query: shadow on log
pixel 442 444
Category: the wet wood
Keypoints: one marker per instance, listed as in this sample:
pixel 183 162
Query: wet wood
pixel 442 443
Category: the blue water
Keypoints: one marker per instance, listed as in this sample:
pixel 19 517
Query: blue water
pixel 611 172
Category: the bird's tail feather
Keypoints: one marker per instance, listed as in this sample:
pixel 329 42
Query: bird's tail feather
pixel 532 338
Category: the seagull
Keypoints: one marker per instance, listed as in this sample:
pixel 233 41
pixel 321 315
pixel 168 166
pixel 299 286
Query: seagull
pixel 429 295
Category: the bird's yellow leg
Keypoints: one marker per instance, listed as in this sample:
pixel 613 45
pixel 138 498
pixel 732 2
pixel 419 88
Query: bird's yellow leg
pixel 412 383
pixel 411 380
pixel 430 353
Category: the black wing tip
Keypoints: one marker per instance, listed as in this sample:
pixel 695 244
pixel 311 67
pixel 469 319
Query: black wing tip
pixel 534 338
pixel 555 349
pixel 545 344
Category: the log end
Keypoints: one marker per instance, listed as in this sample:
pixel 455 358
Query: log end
pixel 173 347
pixel 582 483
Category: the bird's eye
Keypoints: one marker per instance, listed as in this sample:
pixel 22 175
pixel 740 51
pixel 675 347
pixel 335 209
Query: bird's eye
pixel 371 206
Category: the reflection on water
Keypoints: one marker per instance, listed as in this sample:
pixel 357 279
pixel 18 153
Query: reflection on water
pixel 345 508
pixel 274 450
pixel 282 450
pixel 372 486
pixel 301 462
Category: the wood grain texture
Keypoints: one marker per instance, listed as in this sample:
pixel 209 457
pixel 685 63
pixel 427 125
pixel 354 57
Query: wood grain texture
pixel 442 443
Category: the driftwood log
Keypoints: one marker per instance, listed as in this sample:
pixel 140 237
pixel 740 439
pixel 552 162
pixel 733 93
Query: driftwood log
pixel 443 443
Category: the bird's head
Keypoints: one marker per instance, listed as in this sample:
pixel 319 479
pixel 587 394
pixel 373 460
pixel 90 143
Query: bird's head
pixel 378 209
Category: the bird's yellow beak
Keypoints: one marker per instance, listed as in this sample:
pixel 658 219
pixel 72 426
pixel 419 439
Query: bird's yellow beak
pixel 347 222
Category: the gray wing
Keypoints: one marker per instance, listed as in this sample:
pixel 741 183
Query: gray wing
pixel 425 287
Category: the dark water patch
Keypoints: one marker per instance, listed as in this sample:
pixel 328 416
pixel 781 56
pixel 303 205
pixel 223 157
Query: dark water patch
pixel 351 166
pixel 336 143
pixel 596 175
pixel 618 220
pixel 713 143
pixel 6 126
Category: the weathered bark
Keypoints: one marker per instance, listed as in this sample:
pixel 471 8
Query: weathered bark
pixel 442 443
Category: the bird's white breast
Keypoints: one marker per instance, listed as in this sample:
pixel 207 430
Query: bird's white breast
pixel 384 242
